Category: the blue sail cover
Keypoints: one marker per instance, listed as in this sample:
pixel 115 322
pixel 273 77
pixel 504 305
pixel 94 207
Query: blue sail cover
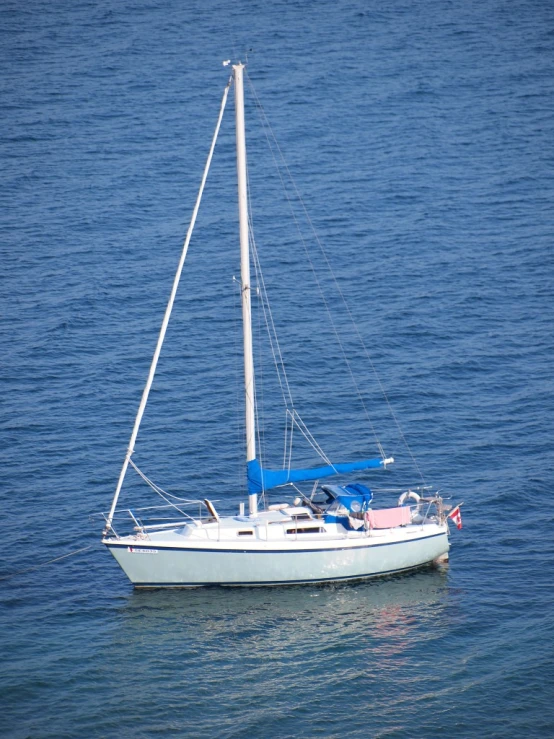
pixel 260 479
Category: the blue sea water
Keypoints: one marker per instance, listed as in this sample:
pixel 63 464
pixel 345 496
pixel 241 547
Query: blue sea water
pixel 420 136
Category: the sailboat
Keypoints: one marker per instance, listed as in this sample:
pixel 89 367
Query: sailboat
pixel 333 533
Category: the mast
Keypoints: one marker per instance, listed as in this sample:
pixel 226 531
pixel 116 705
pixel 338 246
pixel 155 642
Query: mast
pixel 245 277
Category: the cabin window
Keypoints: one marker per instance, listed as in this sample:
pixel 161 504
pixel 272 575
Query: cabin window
pixel 303 517
pixel 337 509
pixel 245 533
pixel 311 530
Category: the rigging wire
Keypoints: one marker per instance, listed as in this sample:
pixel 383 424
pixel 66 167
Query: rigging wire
pixel 275 346
pixel 267 127
pixel 305 431
pixel 278 358
pixel 43 564
pixel 162 493
pixel 167 314
pixel 280 365
pixel 272 336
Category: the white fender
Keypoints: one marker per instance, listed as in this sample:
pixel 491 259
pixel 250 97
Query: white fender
pixel 408 494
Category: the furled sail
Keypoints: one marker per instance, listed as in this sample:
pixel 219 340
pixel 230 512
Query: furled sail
pixel 260 479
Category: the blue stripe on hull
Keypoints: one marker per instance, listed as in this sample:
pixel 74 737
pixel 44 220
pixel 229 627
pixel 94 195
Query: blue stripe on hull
pixel 153 545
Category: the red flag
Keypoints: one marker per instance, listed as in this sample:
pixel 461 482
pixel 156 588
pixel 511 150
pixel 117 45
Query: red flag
pixel 456 516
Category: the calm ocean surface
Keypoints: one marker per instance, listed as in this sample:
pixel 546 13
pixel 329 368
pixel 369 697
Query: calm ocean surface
pixel 421 136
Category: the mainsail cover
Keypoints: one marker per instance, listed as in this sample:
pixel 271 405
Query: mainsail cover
pixel 260 479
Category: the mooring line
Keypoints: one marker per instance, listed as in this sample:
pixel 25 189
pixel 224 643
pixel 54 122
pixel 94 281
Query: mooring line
pixel 43 564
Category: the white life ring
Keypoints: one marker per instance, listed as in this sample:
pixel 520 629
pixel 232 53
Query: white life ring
pixel 408 494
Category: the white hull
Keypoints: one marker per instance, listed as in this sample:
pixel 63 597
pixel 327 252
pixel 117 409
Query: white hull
pixel 170 563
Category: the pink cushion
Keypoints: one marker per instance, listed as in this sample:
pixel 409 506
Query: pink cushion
pixel 388 518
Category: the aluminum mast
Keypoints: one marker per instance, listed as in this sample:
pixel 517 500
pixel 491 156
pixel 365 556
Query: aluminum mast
pixel 245 276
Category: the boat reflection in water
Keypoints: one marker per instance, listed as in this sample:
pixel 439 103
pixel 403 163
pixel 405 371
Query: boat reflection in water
pixel 382 616
pixel 260 658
